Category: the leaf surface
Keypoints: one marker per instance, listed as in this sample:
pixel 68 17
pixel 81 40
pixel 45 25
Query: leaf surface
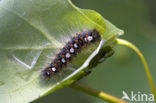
pixel 31 32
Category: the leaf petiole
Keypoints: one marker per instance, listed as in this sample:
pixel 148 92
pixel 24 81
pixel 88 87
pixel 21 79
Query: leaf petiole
pixel 149 77
pixel 96 93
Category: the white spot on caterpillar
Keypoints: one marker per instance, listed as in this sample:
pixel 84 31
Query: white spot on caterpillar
pixel 68 55
pixel 90 38
pixel 85 39
pixel 63 60
pixel 72 50
pixel 75 45
pixel 53 69
pixel 48 73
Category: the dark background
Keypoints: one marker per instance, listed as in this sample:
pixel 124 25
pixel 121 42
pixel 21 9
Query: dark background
pixel 124 70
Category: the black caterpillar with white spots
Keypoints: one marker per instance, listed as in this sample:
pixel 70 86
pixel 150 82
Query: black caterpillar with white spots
pixel 70 50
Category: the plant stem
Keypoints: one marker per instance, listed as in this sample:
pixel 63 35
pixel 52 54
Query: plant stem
pixel 96 93
pixel 132 46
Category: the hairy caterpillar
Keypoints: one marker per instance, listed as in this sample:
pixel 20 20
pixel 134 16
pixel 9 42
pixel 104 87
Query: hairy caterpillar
pixel 70 50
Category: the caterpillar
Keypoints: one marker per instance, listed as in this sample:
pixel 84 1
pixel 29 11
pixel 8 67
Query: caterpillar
pixel 69 51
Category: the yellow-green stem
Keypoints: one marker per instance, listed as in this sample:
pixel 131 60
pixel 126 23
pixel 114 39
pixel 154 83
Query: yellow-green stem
pixel 132 46
pixel 96 93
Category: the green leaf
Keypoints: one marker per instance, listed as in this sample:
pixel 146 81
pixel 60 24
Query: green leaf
pixel 31 32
